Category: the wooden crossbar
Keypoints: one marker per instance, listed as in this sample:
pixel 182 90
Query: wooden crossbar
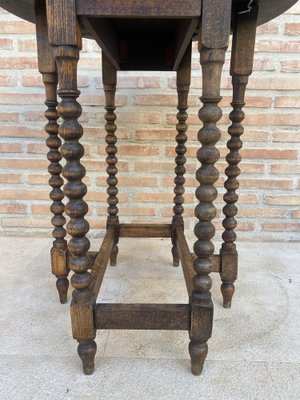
pixel 145 230
pixel 101 260
pixel 143 316
pixel 186 260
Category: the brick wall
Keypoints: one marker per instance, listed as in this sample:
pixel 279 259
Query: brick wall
pixel 269 186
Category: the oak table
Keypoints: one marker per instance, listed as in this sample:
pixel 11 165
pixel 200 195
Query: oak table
pixel 144 35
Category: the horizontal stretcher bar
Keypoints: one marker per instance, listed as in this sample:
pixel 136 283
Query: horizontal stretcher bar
pixel 143 316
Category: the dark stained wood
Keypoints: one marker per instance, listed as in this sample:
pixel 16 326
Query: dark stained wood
pixel 185 30
pixel 47 68
pixel 241 67
pixel 101 261
pixel 137 8
pixel 268 9
pixel 212 47
pixel 106 37
pixel 66 53
pixel 145 230
pixel 109 78
pixel 61 17
pixel 183 80
pixel 186 260
pixel 215 262
pixel 143 316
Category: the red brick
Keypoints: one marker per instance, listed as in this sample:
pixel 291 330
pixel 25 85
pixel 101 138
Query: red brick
pixel 10 148
pixel 37 148
pixel 136 211
pixel 129 82
pixel 6 44
pixel 23 164
pixel 277 46
pixel 7 80
pixel 269 154
pixel 27 45
pixel 289 227
pixel 9 116
pixel 18 98
pixel 286 136
pixel 138 150
pixel 270 27
pixel 273 83
pixel 285 168
pixel 158 197
pixel 18 63
pixel 10 178
pixel 156 100
pixel 262 212
pixel 21 132
pixel 13 208
pixel 135 117
pixel 161 167
pixel 290 66
pixel 287 101
pixel 41 209
pixel 94 165
pixel 38 179
pixel 16 27
pixel 129 181
pixel 285 200
pixel 267 183
pixel 156 134
pixel 26 222
pixel 296 214
pixel 292 28
pixel 24 194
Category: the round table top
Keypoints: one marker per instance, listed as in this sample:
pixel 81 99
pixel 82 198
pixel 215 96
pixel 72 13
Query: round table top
pixel 268 9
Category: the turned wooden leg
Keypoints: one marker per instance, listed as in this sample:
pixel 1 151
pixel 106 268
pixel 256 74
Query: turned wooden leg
pixel 47 68
pixel 66 43
pixel 109 74
pixel 241 68
pixel 212 47
pixel 183 85
pixel 87 352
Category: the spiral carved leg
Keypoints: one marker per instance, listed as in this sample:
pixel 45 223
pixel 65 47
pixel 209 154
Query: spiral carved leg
pixel 183 85
pixel 87 352
pixel 109 82
pixel 47 68
pixel 241 68
pixel 212 49
pixel 59 249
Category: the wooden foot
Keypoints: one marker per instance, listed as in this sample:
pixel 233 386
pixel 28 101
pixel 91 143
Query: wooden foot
pixel 175 254
pixel 198 353
pixel 114 255
pixel 87 352
pixel 62 285
pixel 227 289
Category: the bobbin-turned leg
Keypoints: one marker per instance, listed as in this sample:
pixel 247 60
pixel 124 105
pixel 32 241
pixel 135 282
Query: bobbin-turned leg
pixel 66 42
pixel 109 74
pixel 212 46
pixel 47 68
pixel 183 84
pixel 241 67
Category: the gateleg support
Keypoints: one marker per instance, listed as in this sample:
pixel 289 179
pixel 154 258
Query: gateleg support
pixel 241 67
pixel 65 39
pixel 47 67
pixel 212 47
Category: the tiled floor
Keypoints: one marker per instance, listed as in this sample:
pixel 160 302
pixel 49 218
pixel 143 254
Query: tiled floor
pixel 254 353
